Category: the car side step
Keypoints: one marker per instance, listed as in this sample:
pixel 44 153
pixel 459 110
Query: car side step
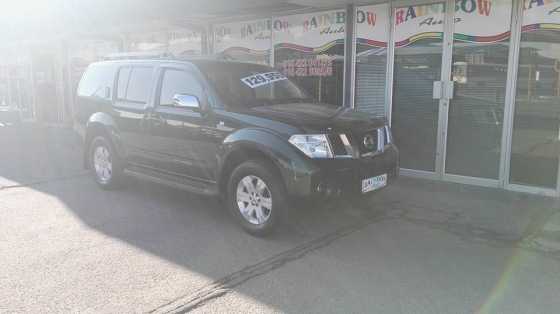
pixel 180 183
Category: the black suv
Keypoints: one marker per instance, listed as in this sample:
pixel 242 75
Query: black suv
pixel 239 130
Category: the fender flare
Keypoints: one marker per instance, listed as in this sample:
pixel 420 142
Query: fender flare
pixel 296 168
pixel 103 123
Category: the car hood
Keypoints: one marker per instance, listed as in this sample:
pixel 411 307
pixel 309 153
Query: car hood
pixel 318 118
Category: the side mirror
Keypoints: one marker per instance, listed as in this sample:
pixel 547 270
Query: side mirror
pixel 187 101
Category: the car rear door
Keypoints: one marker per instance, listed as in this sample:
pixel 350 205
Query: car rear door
pixel 135 86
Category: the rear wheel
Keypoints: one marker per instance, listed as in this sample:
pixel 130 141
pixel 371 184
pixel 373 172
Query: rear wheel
pixel 256 197
pixel 105 164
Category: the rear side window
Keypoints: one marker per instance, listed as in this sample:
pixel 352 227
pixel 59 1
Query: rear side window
pixel 122 82
pixel 97 81
pixel 139 84
pixel 178 82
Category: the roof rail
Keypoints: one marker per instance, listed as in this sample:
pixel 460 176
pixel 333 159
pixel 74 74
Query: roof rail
pixel 138 55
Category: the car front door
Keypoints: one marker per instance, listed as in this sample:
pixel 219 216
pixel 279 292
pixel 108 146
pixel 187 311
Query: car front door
pixel 182 136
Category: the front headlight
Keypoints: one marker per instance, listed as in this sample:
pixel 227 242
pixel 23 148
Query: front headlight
pixel 313 145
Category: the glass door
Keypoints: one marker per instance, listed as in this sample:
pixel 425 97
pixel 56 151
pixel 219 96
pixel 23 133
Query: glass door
pixel 449 89
pixel 418 53
pixel 475 113
pixel 535 141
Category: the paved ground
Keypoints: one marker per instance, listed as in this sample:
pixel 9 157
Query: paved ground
pixel 420 247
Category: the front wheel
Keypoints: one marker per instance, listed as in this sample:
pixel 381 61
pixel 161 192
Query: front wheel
pixel 256 197
pixel 105 165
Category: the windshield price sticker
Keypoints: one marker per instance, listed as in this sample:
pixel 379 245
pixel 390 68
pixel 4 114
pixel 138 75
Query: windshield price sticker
pixel 261 79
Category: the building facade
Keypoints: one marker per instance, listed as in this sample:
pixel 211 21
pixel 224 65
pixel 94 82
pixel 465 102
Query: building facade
pixel 470 87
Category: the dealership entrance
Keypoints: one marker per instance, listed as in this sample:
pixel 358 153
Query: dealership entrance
pixel 450 81
pixel 470 79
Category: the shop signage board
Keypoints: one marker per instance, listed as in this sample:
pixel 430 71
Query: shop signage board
pixel 476 21
pixel 249 38
pixel 482 21
pixel 372 25
pixel 309 33
pixel 541 14
pixel 544 15
pixel 414 23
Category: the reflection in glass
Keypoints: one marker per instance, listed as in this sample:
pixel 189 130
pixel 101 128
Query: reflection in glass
pixel 418 57
pixel 479 71
pixel 415 112
pixel 321 74
pixel 536 130
pixel 309 49
pixel 371 69
pixel 372 29
pixel 476 111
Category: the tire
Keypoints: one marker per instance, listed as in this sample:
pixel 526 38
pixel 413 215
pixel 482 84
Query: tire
pixel 258 209
pixel 107 169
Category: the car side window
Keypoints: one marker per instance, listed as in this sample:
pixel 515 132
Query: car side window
pixel 178 82
pixel 134 84
pixel 122 82
pixel 97 82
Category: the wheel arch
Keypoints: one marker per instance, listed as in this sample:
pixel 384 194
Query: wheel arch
pixel 294 168
pixel 238 156
pixel 101 124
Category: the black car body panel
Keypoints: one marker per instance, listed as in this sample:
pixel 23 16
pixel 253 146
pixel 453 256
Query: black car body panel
pixel 196 147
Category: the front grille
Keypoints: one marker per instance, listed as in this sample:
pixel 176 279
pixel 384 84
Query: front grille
pixel 369 142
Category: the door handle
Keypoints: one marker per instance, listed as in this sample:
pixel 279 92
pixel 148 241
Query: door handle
pixel 437 92
pixel 443 90
pixel 153 120
pixel 449 89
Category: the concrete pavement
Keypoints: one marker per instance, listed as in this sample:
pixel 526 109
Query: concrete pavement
pixel 33 153
pixel 420 247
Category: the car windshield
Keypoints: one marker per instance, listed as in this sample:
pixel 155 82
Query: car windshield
pixel 245 85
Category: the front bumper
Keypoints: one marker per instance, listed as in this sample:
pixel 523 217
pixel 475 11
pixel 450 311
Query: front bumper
pixel 343 177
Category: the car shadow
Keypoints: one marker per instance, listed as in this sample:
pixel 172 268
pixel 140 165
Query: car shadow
pixel 192 231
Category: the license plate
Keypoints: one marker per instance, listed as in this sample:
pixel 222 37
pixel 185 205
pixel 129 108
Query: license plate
pixel 375 183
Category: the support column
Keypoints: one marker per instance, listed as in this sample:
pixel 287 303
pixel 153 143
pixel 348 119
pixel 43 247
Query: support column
pixel 349 57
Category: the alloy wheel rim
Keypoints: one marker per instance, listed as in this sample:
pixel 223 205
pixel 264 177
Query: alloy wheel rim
pixel 254 200
pixel 102 164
